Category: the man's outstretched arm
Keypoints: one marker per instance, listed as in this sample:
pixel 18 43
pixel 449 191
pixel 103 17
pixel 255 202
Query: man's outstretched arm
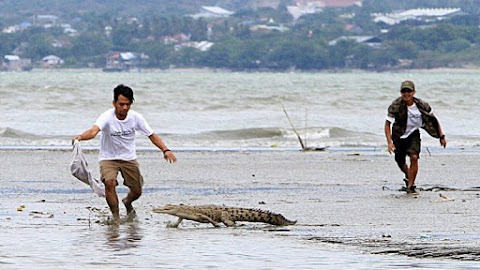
pixel 167 154
pixel 88 134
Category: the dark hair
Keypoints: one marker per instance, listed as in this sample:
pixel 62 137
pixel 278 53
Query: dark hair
pixel 124 91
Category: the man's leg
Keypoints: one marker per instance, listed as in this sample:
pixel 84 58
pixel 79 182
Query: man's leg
pixel 109 171
pixel 134 181
pixel 132 195
pixel 400 158
pixel 413 170
pixel 404 169
pixel 413 152
pixel 112 198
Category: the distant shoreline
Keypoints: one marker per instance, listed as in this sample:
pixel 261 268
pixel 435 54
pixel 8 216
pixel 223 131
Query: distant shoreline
pixel 469 69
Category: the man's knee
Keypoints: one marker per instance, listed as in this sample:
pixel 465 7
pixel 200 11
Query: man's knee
pixel 413 157
pixel 110 183
pixel 136 192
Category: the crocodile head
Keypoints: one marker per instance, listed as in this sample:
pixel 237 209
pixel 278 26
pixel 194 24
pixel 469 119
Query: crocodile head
pixel 167 209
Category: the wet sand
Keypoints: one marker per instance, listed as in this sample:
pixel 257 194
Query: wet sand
pixel 348 201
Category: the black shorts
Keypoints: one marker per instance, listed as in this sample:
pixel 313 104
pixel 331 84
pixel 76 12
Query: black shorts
pixel 408 146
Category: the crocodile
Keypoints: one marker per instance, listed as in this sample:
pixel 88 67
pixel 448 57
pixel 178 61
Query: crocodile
pixel 221 214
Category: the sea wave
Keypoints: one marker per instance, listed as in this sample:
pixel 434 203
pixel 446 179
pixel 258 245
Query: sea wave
pixel 14 133
pixel 261 138
pixel 246 133
pixel 250 137
pixel 14 137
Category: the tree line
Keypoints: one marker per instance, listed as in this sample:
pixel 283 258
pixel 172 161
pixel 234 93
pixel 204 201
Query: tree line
pixel 453 42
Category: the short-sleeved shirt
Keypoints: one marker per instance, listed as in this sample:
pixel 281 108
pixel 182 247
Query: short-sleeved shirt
pixel 118 136
pixel 398 114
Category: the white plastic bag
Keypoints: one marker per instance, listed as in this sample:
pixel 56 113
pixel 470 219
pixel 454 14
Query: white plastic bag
pixel 79 169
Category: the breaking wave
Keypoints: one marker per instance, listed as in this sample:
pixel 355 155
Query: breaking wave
pixel 254 138
pixel 13 133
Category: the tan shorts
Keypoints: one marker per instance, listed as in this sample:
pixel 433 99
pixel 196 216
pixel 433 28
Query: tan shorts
pixel 130 171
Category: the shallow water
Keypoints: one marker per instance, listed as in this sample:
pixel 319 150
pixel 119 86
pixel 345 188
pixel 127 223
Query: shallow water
pixel 40 244
pixel 334 196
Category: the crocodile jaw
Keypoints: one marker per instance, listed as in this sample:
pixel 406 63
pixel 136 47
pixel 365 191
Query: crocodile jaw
pixel 167 209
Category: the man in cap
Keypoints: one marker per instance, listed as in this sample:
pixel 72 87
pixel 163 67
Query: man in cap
pixel 408 114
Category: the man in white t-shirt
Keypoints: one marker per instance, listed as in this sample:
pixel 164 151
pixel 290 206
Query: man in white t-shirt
pixel 406 115
pixel 119 126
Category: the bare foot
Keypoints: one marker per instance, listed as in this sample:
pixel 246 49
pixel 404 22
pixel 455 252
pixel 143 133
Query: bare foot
pixel 113 221
pixel 131 216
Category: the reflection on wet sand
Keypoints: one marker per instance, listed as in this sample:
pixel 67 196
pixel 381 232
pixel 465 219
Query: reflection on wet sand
pixel 120 237
pixel 351 214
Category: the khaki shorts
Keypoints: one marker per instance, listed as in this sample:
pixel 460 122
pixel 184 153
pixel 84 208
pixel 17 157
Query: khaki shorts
pixel 130 171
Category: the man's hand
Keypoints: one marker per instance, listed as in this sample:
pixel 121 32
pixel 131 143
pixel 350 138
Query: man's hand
pixel 169 156
pixel 391 147
pixel 443 141
pixel 75 139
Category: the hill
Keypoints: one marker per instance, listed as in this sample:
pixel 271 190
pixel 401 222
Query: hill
pixel 10 9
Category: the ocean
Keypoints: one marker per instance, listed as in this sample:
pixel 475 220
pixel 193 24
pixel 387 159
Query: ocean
pixel 215 110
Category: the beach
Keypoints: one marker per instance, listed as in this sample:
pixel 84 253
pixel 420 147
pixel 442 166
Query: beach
pixel 347 205
pixel 237 147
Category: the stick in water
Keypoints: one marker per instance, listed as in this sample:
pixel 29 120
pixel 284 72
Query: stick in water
pixel 293 127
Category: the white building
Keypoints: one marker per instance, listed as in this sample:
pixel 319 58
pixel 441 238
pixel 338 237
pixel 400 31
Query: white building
pixel 212 12
pixel 51 61
pixel 425 14
pixel 371 41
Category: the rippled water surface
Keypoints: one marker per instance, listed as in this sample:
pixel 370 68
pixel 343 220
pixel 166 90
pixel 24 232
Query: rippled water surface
pixel 194 109
pixel 149 245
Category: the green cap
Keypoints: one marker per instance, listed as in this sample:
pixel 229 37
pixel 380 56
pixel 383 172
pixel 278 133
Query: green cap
pixel 408 85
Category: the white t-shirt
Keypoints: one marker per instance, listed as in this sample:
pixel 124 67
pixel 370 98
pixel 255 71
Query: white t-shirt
pixel 414 120
pixel 118 136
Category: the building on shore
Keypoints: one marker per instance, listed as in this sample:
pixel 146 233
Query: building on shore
pixel 15 63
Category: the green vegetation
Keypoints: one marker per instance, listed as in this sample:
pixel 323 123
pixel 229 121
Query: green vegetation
pixel 452 42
